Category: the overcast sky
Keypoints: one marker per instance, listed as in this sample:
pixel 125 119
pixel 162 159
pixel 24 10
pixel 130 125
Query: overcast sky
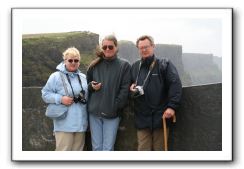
pixel 198 31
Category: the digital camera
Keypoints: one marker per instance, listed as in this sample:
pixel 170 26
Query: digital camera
pixel 139 91
pixel 81 98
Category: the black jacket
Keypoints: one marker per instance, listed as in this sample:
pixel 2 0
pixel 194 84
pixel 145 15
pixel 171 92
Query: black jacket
pixel 114 74
pixel 163 89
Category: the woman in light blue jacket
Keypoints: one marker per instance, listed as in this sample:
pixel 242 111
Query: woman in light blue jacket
pixel 69 131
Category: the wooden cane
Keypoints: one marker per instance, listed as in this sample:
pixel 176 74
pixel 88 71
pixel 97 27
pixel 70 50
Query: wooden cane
pixel 166 133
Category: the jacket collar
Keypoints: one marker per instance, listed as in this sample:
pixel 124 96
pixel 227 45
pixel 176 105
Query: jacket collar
pixel 61 67
pixel 110 59
pixel 147 61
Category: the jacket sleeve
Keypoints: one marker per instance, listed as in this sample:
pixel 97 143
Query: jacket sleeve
pixel 89 79
pixel 122 97
pixel 174 86
pixel 49 91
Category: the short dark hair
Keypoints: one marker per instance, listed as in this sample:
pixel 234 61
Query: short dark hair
pixel 143 37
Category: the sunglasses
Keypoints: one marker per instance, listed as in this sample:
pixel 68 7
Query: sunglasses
pixel 73 60
pixel 110 47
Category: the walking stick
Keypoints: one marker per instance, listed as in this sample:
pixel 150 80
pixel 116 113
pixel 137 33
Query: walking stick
pixel 166 133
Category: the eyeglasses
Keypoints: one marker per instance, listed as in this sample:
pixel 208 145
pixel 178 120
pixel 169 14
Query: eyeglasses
pixel 143 47
pixel 73 60
pixel 110 47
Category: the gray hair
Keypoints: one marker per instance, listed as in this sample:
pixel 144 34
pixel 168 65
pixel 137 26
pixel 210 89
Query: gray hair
pixel 143 37
pixel 111 38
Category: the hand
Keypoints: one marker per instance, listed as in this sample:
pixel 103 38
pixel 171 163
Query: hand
pixel 67 100
pixel 132 87
pixel 168 113
pixel 96 86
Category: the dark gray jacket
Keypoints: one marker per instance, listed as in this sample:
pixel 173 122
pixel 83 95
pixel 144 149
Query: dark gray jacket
pixel 162 90
pixel 114 74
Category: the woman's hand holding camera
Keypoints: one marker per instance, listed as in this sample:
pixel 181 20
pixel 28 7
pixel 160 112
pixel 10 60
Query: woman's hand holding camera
pixel 67 100
pixel 96 85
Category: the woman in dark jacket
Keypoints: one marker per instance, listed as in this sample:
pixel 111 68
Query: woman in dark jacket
pixel 108 79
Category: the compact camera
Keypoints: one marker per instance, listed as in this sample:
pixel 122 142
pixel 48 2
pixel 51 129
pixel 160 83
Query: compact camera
pixel 81 98
pixel 139 91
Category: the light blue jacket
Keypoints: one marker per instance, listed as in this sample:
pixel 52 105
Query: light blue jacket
pixel 52 92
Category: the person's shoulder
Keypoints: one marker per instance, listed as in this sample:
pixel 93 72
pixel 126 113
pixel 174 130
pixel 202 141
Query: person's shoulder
pixel 82 75
pixel 163 60
pixel 55 74
pixel 137 62
pixel 123 60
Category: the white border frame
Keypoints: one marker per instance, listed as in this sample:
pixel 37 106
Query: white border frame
pixel 18 16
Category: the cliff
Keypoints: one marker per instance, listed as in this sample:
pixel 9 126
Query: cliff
pixel 41 54
pixel 202 68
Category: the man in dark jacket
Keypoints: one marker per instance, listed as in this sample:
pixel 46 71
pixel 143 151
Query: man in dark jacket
pixel 156 90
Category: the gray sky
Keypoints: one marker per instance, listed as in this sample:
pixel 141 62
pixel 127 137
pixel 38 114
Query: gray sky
pixel 198 31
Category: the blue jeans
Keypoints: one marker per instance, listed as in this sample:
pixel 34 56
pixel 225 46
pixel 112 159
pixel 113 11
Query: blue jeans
pixel 103 132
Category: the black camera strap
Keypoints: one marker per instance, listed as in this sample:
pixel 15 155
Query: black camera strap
pixel 148 74
pixel 71 85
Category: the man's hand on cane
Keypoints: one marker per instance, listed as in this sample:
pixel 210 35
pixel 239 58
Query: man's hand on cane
pixel 168 113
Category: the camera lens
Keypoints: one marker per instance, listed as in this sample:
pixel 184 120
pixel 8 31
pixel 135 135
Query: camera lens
pixel 80 98
pixel 76 99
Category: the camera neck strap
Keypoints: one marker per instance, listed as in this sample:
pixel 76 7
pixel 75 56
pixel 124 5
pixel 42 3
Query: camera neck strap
pixel 148 74
pixel 64 84
pixel 71 85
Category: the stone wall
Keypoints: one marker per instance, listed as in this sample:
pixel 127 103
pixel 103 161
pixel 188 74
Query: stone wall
pixel 198 126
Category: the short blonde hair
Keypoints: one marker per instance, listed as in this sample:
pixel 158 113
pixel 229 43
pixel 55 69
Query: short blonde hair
pixel 72 51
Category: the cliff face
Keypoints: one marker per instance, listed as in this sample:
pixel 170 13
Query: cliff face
pixel 202 68
pixel 218 61
pixel 174 53
pixel 42 52
pixel 129 51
